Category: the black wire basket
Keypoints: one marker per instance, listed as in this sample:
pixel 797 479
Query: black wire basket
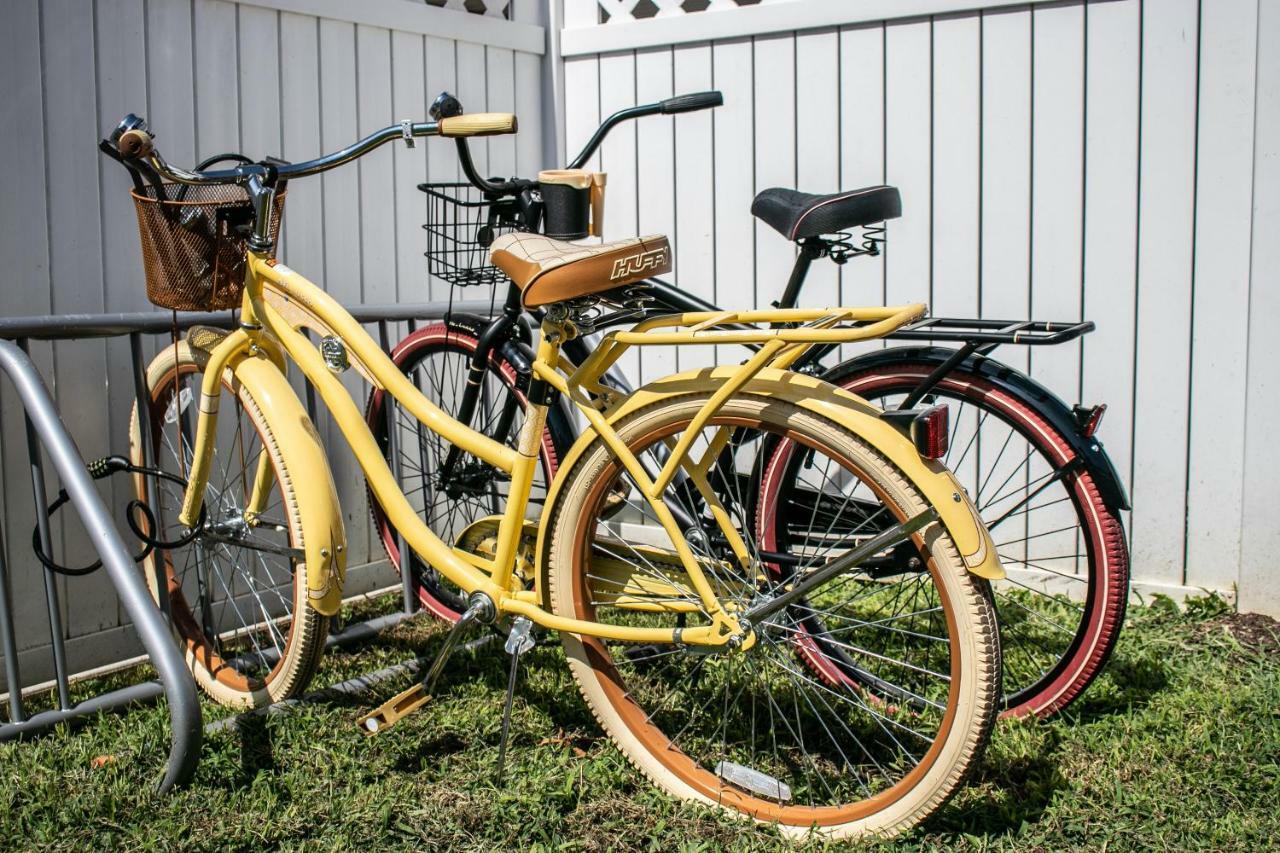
pixel 461 225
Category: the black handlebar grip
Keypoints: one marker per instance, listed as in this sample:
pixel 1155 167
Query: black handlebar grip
pixel 689 103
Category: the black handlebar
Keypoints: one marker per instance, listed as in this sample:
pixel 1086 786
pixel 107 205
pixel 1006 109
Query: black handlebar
pixel 689 103
pixel 447 103
pixel 678 104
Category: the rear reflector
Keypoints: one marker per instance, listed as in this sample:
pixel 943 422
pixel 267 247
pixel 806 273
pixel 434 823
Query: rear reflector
pixel 930 432
pixel 1090 419
pixel 929 429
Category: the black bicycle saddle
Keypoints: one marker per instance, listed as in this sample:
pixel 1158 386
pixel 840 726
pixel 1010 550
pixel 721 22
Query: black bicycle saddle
pixel 796 215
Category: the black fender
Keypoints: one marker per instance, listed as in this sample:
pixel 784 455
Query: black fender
pixel 1016 384
pixel 519 354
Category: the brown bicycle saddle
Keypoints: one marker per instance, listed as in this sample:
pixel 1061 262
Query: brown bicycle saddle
pixel 549 270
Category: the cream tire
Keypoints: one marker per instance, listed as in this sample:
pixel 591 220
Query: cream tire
pixel 975 651
pixel 307 630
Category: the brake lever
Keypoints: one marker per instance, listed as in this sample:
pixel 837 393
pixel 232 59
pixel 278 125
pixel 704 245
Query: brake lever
pixel 107 148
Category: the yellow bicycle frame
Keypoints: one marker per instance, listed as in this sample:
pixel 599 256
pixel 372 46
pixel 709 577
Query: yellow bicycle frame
pixel 277 300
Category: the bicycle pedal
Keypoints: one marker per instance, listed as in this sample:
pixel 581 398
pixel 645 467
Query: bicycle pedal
pixel 393 710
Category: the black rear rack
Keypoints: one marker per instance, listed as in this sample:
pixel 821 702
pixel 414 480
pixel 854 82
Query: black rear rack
pixel 969 330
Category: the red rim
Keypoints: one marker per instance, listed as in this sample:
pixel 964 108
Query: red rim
pixel 1107 551
pixel 437 334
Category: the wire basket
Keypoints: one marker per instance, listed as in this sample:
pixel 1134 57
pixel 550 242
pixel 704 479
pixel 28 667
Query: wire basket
pixel 193 244
pixel 461 225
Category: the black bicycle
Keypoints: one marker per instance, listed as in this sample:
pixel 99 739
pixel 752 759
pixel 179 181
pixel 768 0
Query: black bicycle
pixel 1032 464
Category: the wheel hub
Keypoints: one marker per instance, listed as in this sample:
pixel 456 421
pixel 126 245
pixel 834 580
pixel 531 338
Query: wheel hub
pixel 470 479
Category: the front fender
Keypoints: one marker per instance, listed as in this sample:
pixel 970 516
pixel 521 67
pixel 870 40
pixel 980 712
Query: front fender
pixel 320 516
pixel 934 481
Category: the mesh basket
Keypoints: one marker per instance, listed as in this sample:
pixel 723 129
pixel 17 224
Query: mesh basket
pixel 461 225
pixel 193 246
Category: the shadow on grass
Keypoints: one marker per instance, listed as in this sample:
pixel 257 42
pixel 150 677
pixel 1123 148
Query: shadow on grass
pixel 1128 682
pixel 1015 790
pixel 257 748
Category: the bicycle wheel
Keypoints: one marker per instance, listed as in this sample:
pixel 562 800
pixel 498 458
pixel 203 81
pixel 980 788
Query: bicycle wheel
pixel 751 730
pixel 237 597
pixel 1062 606
pixel 437 358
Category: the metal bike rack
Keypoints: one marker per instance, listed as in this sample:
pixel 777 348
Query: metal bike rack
pixel 45 430
pixel 184 709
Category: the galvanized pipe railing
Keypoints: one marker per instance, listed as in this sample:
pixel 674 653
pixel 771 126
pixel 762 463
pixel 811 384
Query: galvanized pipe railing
pixel 45 428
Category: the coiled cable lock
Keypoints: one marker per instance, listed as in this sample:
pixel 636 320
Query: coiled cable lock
pixel 105 467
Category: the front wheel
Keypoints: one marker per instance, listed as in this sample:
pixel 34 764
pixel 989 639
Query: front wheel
pixel 751 730
pixel 237 592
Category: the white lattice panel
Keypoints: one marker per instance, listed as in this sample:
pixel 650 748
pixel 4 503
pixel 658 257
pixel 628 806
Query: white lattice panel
pixel 631 10
pixel 492 8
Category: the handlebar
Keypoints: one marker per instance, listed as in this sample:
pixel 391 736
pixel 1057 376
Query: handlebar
pixel 678 104
pixel 446 106
pixel 691 102
pixel 134 142
pixel 477 124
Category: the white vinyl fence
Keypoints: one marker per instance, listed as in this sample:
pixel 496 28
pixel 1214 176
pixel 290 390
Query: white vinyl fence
pixel 293 78
pixel 1112 160
pixel 1115 160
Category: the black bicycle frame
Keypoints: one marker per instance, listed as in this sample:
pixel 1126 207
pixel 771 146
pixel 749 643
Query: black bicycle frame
pixel 976 337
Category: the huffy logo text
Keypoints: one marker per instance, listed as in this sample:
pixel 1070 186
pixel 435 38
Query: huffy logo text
pixel 634 264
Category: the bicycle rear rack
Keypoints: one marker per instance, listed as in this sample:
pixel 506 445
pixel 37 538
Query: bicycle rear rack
pixel 975 331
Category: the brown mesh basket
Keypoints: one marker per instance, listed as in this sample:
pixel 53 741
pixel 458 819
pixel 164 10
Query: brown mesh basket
pixel 193 245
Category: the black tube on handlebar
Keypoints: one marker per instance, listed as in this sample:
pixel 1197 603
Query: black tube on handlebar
pixel 689 103
pixel 678 104
pixel 469 171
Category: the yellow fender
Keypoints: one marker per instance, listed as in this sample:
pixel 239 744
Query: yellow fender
pixel 324 537
pixel 935 482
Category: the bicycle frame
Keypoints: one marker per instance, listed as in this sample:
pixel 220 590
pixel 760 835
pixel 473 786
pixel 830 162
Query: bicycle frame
pixel 267 340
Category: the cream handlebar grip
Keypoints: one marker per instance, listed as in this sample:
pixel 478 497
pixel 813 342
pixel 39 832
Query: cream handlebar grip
pixel 135 143
pixel 478 124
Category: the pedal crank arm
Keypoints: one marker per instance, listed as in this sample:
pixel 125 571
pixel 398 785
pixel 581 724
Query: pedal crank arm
pixel 403 704
pixel 394 709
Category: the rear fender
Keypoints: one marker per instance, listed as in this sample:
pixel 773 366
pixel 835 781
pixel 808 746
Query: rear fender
pixel 933 480
pixel 1016 384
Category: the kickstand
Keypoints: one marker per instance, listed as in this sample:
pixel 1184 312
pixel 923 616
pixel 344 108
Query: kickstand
pixel 404 704
pixel 519 641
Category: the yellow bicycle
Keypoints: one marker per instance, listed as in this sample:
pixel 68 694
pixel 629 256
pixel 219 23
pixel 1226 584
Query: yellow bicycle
pixel 688 650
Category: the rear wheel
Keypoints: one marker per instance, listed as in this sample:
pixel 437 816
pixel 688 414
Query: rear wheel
pixel 237 591
pixel 1062 606
pixel 752 730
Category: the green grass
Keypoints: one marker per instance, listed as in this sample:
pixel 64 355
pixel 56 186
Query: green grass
pixel 1178 745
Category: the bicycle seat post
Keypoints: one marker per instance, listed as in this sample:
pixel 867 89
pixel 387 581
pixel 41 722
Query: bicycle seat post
pixel 811 248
